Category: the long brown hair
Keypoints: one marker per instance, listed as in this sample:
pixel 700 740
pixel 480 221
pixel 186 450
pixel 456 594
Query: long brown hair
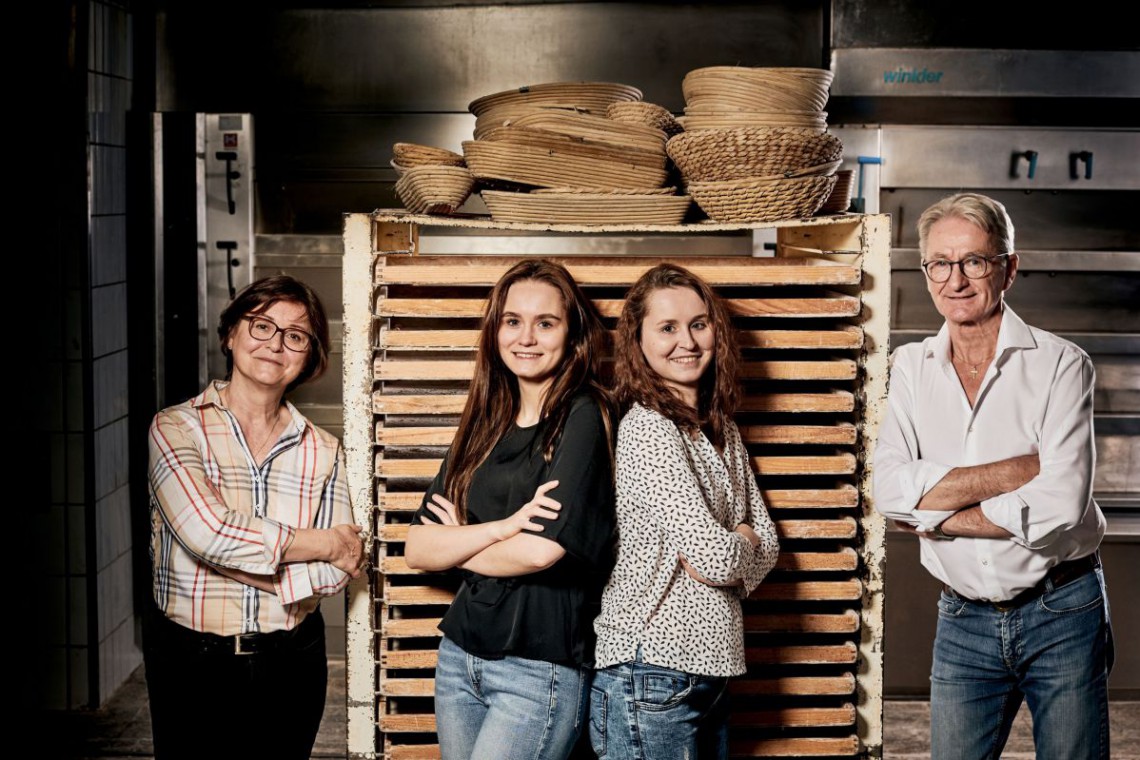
pixel 493 400
pixel 718 394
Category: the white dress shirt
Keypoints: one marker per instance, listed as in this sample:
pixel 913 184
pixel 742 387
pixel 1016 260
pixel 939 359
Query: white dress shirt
pixel 1036 397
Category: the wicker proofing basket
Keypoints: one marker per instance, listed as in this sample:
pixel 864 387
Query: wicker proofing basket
pixel 650 114
pixel 840 198
pixel 761 200
pixel 744 152
pixel 434 189
pixel 408 155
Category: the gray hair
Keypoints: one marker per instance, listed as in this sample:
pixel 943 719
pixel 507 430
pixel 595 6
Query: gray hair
pixel 981 210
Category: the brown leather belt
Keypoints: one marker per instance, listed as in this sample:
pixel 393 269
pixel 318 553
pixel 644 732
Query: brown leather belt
pixel 1060 575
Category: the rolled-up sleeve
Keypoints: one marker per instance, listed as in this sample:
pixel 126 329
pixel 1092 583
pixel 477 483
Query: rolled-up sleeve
pixel 300 580
pixel 900 476
pixel 1060 496
pixel 194 511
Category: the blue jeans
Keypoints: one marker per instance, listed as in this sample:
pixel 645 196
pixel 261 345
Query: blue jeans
pixel 1055 652
pixel 645 712
pixel 507 709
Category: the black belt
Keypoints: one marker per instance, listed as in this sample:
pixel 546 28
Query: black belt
pixel 1059 575
pixel 243 644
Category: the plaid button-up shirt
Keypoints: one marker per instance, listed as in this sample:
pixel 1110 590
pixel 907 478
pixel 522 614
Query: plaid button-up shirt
pixel 213 506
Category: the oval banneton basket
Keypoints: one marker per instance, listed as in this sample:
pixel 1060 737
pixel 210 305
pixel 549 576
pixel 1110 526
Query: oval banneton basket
pixel 586 208
pixel 763 89
pixel 761 200
pixel 559 165
pixel 593 96
pixel 743 152
pixel 596 129
pixel 649 114
pixel 408 155
pixel 434 189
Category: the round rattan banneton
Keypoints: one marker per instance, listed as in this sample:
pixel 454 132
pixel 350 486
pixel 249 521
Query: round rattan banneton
pixel 408 155
pixel 594 96
pixel 763 89
pixel 650 114
pixel 745 152
pixel 761 200
pixel 695 122
pixel 434 189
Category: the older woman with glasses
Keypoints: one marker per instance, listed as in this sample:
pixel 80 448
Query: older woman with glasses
pixel 250 527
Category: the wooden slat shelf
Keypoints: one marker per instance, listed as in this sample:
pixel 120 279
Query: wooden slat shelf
pixel 443 369
pixel 838 464
pixel 833 305
pixel 444 403
pixel 835 498
pixel 840 338
pixel 842 434
pixel 485 270
pixel 813 323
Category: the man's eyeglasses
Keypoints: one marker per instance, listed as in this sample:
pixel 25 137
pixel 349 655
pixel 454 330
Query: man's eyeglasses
pixel 973 267
pixel 263 328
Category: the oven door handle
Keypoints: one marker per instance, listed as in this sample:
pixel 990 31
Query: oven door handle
pixel 1075 158
pixel 1015 160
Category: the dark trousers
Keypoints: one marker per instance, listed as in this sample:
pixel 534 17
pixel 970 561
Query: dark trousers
pixel 208 702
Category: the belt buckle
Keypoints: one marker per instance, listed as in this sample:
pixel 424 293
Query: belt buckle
pixel 237 646
pixel 1005 606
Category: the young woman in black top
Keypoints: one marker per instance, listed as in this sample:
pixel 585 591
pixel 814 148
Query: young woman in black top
pixel 523 506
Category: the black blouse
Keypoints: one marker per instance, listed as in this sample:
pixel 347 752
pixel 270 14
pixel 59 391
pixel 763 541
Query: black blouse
pixel 546 615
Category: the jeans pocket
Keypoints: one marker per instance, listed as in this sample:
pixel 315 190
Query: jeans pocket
pixel 598 718
pixel 950 606
pixel 661 691
pixel 1078 596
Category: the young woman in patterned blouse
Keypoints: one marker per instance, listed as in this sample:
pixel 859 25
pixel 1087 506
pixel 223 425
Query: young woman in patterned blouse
pixel 523 507
pixel 694 537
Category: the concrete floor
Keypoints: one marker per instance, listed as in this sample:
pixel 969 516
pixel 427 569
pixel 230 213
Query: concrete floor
pixel 121 729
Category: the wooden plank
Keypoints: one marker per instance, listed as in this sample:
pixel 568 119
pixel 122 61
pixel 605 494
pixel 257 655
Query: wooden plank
pixel 836 464
pixel 832 654
pixel 841 434
pixel 445 369
pixel 845 496
pixel 840 528
pixel 487 269
pixel 408 723
pixel 834 305
pixel 809 591
pixel 833 401
pixel 845 622
pixel 841 338
pixel 409 659
pixel 410 595
pixel 407 687
pixel 410 628
pixel 400 502
pixel 843 528
pixel 794 686
pixel 413 751
pixel 795 717
pixel 845 746
pixel 844 559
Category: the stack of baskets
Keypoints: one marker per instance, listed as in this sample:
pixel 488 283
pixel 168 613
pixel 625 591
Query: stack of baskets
pixel 755 146
pixel 550 153
pixel 431 180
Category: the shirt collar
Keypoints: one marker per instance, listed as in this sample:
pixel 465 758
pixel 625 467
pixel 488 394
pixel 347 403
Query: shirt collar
pixel 212 396
pixel 1013 333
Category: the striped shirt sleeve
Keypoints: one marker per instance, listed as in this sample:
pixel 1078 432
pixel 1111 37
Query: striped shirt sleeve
pixel 195 513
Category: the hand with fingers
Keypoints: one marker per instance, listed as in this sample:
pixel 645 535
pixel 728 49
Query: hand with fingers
pixel 444 510
pixel 346 548
pixel 523 520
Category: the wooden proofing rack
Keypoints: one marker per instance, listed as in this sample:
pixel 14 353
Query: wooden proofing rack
pixel 813 323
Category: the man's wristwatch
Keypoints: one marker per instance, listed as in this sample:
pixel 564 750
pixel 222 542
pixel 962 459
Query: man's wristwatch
pixel 936 534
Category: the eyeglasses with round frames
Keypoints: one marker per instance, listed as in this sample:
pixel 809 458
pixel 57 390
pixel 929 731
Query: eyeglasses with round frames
pixel 263 329
pixel 973 267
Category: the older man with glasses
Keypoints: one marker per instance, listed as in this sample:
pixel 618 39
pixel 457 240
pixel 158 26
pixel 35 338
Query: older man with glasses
pixel 987 454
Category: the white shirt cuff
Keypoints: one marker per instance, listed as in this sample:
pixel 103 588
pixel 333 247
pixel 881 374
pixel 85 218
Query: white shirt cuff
pixel 1006 511
pixel 927 520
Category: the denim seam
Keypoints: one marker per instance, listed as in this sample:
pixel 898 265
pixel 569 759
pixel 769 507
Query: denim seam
pixel 551 708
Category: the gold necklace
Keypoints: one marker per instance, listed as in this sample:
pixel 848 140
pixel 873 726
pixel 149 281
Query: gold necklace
pixel 973 367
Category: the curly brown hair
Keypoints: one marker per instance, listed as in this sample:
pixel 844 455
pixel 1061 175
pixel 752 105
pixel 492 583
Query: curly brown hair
pixel 493 399
pixel 718 394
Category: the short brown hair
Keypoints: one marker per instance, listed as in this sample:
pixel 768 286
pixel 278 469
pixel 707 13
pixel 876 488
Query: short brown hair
pixel 718 394
pixel 257 298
